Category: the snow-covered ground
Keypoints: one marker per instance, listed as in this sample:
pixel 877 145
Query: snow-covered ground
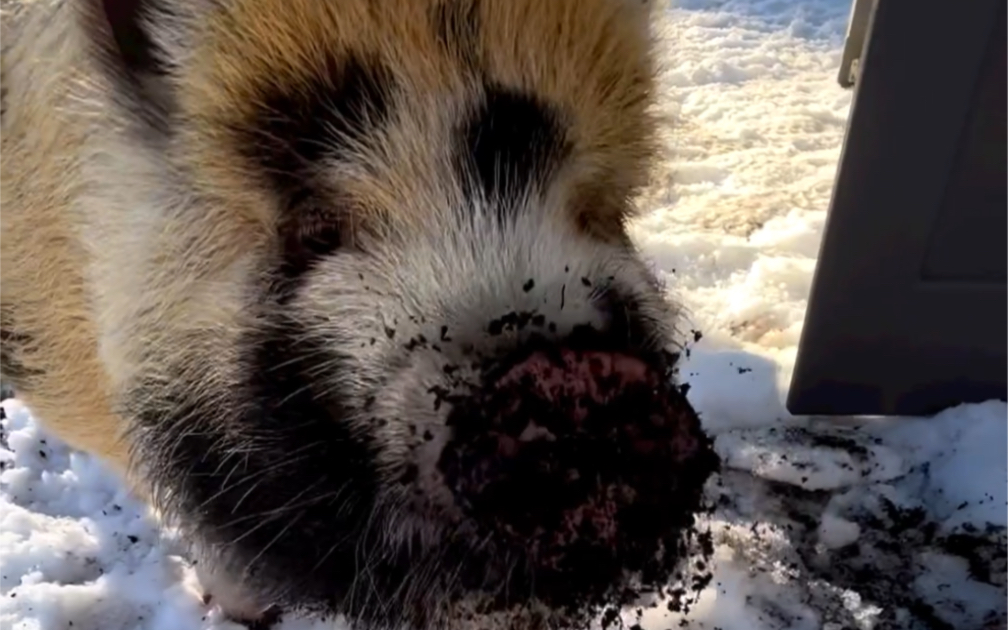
pixel 833 524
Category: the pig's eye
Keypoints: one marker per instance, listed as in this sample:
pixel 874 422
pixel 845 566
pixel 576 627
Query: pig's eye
pixel 319 233
pixel 310 232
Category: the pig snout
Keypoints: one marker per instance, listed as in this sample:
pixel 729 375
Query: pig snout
pixel 575 458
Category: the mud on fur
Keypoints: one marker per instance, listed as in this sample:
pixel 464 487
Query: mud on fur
pixel 260 255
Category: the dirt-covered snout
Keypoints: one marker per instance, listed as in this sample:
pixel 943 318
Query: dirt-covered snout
pixel 520 379
pixel 502 434
pixel 520 409
pixel 564 462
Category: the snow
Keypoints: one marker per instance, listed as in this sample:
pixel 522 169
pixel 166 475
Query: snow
pixel 842 523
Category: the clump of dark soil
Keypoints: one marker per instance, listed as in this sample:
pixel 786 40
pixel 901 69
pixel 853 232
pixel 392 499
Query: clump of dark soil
pixel 593 488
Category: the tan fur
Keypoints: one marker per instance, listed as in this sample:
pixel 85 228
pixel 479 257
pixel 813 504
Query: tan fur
pixel 42 260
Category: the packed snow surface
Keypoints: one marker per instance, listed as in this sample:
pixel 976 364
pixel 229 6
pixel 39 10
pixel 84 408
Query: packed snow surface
pixel 841 523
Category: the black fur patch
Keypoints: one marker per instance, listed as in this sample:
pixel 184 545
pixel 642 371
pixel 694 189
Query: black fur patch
pixel 286 476
pixel 13 372
pixel 135 46
pixel 119 35
pixel 296 125
pixel 284 484
pixel 294 128
pixel 457 25
pixel 512 142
